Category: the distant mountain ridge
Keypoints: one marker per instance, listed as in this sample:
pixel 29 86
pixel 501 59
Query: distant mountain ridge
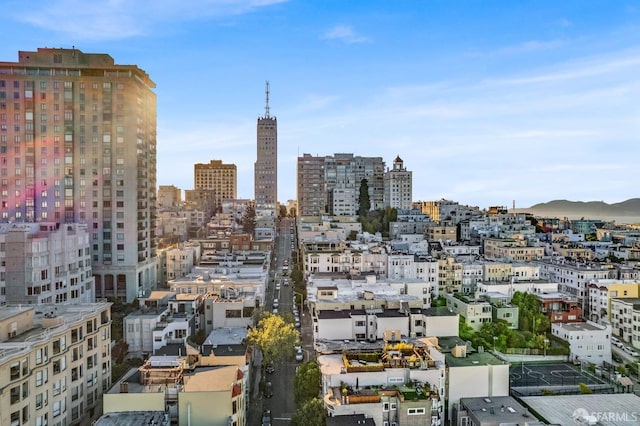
pixel 588 209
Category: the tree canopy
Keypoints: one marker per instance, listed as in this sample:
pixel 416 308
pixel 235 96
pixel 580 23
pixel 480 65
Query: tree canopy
pixel 275 337
pixel 364 203
pixel 306 385
pixel 311 413
pixel 249 220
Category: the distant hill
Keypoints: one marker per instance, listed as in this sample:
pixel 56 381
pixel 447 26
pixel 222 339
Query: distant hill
pixel 624 212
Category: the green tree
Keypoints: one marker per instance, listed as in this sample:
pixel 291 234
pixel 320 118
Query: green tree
pixel 275 337
pixel 311 413
pixel 306 385
pixel 296 275
pixel 249 220
pixel 364 203
pixel 584 389
pixel 282 211
pixel 352 235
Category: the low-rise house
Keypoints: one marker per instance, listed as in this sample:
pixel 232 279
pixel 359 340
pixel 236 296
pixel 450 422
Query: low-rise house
pixel 560 307
pixel 474 313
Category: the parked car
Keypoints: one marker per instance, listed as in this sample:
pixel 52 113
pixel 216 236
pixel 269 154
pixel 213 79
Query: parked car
pixel 299 355
pixel 268 390
pixel 266 418
pixel 276 303
pixel 270 368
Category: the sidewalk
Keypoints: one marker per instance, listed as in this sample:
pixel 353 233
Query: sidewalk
pixel 254 406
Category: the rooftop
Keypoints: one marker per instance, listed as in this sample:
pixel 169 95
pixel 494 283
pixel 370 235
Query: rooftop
pixel 497 410
pixel 134 418
pixel 580 326
pixel 607 409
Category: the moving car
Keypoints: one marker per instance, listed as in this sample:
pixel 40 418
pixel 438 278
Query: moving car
pixel 276 303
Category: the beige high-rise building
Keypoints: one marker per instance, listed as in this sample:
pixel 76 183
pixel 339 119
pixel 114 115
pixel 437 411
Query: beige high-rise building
pixel 78 144
pixel 221 179
pixel 398 186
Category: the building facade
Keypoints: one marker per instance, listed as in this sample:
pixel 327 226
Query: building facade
pixel 45 263
pixel 398 186
pixel 55 363
pixel 266 165
pixel 78 138
pixel 220 178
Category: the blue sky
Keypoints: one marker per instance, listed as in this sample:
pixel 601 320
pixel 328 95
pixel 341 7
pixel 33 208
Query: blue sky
pixel 485 101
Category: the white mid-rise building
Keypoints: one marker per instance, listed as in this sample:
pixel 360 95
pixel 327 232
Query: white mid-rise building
pixel 45 263
pixel 588 341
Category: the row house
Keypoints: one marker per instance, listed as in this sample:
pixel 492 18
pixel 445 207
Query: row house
pixel 516 250
pixel 625 320
pixel 449 275
pixel 573 278
pixel 601 294
pixel 441 233
pixel 573 251
pixel 55 363
pixel 509 288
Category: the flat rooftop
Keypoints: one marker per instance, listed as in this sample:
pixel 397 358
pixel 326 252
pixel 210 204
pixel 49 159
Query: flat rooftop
pixel 498 410
pixel 581 326
pixel 473 359
pixel 134 418
pixel 621 409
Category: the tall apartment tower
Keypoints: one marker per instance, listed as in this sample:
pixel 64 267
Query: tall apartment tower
pixel 398 186
pixel 331 184
pixel 311 192
pixel 78 144
pixel 266 166
pixel 221 179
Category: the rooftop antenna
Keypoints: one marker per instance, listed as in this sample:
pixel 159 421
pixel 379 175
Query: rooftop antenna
pixel 266 107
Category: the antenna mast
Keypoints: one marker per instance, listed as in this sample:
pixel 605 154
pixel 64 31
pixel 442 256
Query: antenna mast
pixel 266 107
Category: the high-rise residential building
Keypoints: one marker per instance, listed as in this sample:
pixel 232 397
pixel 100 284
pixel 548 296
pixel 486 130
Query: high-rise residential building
pixel 311 192
pixel 78 145
pixel 266 166
pixel 220 178
pixel 169 196
pixel 45 263
pixel 327 184
pixel 398 186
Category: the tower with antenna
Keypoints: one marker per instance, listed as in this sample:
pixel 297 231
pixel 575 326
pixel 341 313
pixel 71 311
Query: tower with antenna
pixel 266 105
pixel 266 166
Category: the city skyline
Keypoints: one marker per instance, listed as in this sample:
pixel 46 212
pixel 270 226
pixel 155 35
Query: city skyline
pixel 486 103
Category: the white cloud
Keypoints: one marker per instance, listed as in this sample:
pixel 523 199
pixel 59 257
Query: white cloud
pixel 344 33
pixel 120 19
